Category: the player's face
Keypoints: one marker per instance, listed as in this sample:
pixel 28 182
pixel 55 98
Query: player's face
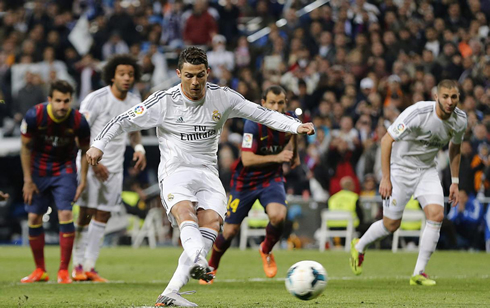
pixel 275 102
pixel 193 78
pixel 447 100
pixel 123 78
pixel 60 103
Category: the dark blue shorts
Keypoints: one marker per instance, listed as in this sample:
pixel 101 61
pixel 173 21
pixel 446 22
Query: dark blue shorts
pixel 60 189
pixel 240 202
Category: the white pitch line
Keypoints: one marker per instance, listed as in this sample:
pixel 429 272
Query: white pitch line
pixel 258 279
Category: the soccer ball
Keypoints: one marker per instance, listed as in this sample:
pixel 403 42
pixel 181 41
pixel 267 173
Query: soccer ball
pixel 306 280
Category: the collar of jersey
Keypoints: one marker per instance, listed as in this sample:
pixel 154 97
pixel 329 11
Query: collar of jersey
pixel 191 101
pixel 56 120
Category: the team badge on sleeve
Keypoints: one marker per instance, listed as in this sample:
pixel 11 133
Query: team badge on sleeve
pixel 398 129
pixel 137 111
pixel 247 141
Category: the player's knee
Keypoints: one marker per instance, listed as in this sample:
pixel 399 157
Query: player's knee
pixel 84 216
pixel 436 216
pixel 230 231
pixel 102 216
pixel 392 225
pixel 277 218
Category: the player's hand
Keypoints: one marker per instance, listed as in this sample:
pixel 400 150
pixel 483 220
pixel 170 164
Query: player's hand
pixel 101 172
pixel 306 128
pixel 295 162
pixel 94 155
pixel 140 160
pixel 3 196
pixel 285 156
pixel 29 190
pixel 385 188
pixel 454 194
pixel 80 189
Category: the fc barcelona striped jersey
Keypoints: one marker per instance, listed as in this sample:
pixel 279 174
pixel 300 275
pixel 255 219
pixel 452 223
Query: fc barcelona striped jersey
pixel 54 148
pixel 261 140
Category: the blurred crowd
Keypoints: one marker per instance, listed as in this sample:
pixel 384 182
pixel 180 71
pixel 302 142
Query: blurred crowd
pixel 350 67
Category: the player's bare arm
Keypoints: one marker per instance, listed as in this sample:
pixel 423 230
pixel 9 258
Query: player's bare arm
pixel 454 160
pixel 83 174
pixel 251 159
pixel 139 156
pixel 30 187
pixel 385 184
pixel 295 162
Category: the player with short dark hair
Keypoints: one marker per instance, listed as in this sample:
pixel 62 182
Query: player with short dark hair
pixel 189 118
pixel 50 134
pixel 408 152
pixel 257 175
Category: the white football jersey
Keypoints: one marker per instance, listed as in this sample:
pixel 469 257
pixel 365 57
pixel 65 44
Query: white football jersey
pixel 99 107
pixel 419 134
pixel 188 131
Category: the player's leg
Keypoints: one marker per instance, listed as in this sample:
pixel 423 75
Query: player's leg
pixel 87 205
pixel 39 206
pixel 95 235
pixel 274 197
pixel 403 186
pixel 431 197
pixel 67 237
pixel 239 204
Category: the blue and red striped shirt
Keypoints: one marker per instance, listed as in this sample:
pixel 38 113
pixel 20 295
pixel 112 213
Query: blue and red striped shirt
pixel 261 140
pixel 54 148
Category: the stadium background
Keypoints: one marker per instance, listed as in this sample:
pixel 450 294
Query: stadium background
pixel 349 66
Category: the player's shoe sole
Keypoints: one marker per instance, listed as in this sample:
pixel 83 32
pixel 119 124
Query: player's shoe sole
pixel 38 275
pixel 204 282
pixel 356 258
pixel 268 262
pixel 422 280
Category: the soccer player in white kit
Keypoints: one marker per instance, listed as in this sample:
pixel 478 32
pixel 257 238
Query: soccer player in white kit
pixel 408 152
pixel 189 118
pixel 105 180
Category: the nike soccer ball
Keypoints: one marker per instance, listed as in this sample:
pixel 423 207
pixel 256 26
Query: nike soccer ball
pixel 306 280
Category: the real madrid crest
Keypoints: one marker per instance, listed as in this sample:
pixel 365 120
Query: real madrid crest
pixel 216 116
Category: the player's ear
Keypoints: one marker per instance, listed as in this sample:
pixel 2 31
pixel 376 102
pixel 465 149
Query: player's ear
pixel 262 102
pixel 178 72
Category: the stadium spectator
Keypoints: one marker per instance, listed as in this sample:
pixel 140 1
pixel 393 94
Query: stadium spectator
pixel 200 26
pixel 467 217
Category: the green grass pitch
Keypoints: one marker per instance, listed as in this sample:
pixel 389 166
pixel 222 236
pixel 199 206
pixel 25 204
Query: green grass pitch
pixel 138 276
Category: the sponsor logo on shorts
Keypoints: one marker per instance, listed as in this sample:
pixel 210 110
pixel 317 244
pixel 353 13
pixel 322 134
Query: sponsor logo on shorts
pixel 393 201
pixel 170 197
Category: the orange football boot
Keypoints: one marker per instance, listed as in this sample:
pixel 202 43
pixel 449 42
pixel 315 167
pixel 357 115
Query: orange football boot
pixel 64 277
pixel 94 276
pixel 270 267
pixel 78 274
pixel 39 275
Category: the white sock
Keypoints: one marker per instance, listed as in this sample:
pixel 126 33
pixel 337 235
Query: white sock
pixel 94 243
pixel 427 245
pixel 81 236
pixel 208 237
pixel 376 231
pixel 181 275
pixel 191 239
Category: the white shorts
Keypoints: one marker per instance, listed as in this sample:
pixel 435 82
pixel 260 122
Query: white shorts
pixel 198 185
pixel 423 184
pixel 104 196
